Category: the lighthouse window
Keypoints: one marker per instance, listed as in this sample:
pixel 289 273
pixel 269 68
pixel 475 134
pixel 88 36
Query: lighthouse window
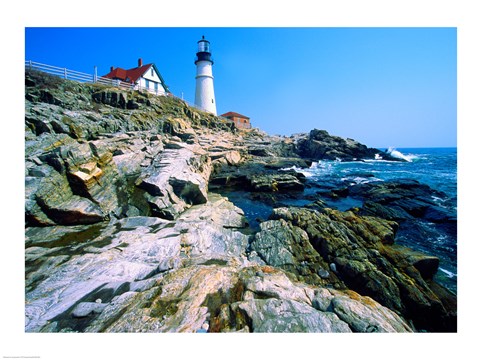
pixel 203 47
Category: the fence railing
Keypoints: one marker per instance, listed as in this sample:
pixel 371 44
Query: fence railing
pixel 85 77
pixel 94 78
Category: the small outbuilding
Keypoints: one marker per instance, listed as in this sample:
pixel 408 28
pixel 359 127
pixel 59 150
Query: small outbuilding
pixel 240 121
pixel 143 77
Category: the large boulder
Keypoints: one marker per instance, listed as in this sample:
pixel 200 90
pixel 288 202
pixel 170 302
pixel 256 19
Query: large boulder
pixel 320 145
pixel 283 245
pixel 176 180
pixel 360 252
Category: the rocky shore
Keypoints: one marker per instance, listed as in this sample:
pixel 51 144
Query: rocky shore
pixel 129 226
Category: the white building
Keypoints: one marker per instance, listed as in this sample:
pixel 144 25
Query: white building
pixel 143 77
pixel 204 94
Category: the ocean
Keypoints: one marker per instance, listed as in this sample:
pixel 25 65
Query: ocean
pixel 435 167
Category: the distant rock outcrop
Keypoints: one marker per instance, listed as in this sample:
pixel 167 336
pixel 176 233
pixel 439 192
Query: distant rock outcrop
pixel 320 145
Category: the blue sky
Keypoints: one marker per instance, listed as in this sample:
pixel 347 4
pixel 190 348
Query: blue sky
pixel 381 86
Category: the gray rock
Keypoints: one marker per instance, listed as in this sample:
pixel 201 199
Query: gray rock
pixel 324 274
pixel 137 221
pixel 179 180
pixel 282 245
pixel 131 253
pixel 280 316
pixel 365 315
pixel 274 243
pixel 276 182
pixel 84 309
pixel 322 300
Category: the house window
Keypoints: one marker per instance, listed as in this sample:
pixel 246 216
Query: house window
pixel 147 84
pixel 156 87
pixel 151 71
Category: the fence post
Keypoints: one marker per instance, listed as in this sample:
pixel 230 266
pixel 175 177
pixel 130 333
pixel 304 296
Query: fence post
pixel 94 74
pixel 30 65
pixel 65 72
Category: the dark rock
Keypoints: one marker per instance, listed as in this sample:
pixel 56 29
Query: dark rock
pixel 281 163
pixel 132 105
pixel 29 82
pixel 38 126
pixel 111 97
pixel 342 192
pixel 259 152
pixel 439 214
pixel 47 97
pixel 386 212
pixel 274 183
pixel 84 309
pixel 401 199
pixel 285 246
pixel 360 252
pixel 427 265
pixel 320 145
pixel 76 211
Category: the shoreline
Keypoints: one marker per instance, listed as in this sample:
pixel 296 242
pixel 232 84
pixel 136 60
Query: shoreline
pixel 125 232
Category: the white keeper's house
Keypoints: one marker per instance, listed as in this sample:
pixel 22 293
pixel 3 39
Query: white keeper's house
pixel 143 77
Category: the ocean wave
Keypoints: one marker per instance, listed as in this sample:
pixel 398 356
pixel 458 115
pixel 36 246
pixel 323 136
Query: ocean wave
pixel 360 180
pixel 397 154
pixel 448 273
pixel 443 203
pixel 380 161
pixel 316 169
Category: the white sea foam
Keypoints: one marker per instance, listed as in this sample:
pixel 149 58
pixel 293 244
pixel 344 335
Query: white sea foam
pixel 439 201
pixel 316 169
pixel 448 273
pixel 360 180
pixel 305 172
pixel 397 154
pixel 379 161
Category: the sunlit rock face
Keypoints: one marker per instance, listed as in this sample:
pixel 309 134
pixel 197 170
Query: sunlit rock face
pixel 126 231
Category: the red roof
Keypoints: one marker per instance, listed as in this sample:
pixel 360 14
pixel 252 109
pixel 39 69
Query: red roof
pixel 234 114
pixel 131 74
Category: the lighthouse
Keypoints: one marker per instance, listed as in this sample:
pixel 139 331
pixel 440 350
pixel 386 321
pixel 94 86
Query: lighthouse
pixel 204 95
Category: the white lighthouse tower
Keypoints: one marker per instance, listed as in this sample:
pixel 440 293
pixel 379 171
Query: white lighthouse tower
pixel 204 95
